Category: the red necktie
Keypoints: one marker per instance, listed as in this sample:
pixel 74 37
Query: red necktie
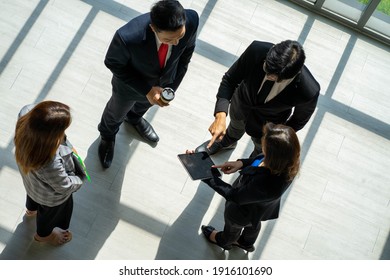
pixel 162 54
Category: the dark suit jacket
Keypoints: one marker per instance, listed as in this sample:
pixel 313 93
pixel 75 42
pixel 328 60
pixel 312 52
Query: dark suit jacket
pixel 246 75
pixel 254 196
pixel 132 56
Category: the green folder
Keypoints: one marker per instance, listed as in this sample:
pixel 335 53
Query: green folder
pixel 83 165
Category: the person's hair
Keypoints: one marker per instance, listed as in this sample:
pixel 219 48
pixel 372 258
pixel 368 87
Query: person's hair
pixel 285 59
pixel 167 15
pixel 39 133
pixel 281 150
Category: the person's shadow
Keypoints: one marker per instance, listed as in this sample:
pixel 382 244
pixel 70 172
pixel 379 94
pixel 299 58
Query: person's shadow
pixel 184 240
pixel 21 239
pixel 98 205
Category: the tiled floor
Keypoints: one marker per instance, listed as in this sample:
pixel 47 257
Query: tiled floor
pixel 145 206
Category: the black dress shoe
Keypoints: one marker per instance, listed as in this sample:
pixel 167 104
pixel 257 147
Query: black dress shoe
pixel 215 147
pixel 145 129
pixel 250 248
pixel 207 230
pixel 106 152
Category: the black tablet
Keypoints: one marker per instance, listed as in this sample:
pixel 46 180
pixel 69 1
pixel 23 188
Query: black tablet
pixel 198 165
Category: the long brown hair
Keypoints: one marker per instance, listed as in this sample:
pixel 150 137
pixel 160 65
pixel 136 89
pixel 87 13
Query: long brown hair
pixel 39 133
pixel 281 150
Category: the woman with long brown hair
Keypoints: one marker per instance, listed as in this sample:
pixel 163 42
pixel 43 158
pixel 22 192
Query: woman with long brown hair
pixel 255 194
pixel 49 174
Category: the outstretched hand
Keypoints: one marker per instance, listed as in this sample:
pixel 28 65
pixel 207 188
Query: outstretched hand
pixel 218 128
pixel 229 167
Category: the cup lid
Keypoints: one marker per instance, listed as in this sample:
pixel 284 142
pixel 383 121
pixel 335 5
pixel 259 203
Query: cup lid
pixel 168 94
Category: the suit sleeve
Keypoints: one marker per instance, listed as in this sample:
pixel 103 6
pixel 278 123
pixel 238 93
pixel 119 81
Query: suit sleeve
pixel 248 161
pixel 185 58
pixel 232 78
pixel 244 194
pixel 302 114
pixel 118 60
pixel 56 176
pixel 309 88
pixel 224 189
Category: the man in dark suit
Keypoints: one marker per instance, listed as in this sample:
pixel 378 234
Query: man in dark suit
pixel 268 83
pixel 149 53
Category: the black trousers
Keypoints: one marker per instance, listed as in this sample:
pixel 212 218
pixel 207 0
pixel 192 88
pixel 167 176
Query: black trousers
pixel 50 217
pixel 237 124
pixel 245 235
pixel 122 103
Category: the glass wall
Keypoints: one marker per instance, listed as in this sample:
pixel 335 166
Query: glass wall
pixel 380 19
pixel 371 17
pixel 351 9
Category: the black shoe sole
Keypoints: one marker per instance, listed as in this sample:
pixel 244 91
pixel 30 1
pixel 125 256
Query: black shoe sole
pixel 246 248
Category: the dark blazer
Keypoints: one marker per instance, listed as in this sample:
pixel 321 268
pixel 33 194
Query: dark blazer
pixel 132 56
pixel 254 196
pixel 246 75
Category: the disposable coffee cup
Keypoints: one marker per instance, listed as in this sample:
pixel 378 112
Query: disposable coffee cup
pixel 167 95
